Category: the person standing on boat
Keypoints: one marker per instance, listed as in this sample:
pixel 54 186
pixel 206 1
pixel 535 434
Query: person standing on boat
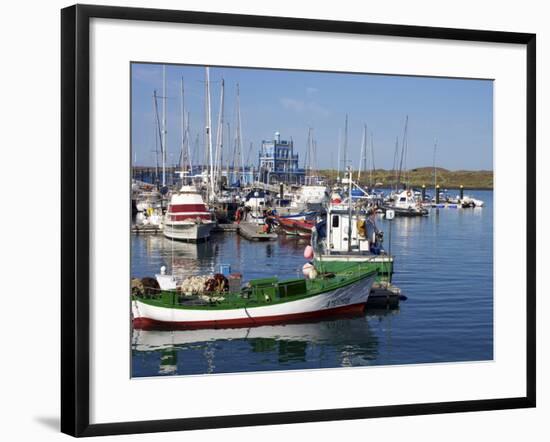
pixel 268 215
pixel 372 230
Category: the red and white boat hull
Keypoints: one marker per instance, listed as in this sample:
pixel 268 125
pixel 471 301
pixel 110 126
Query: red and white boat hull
pixel 187 217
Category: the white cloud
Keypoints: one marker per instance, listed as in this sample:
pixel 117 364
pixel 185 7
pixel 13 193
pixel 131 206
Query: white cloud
pixel 302 106
pixel 293 104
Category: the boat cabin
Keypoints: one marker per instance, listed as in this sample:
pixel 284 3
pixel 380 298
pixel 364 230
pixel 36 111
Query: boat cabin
pixel 338 232
pixel 405 200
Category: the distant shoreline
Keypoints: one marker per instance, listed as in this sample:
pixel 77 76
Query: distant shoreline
pixel 424 176
pixel 417 177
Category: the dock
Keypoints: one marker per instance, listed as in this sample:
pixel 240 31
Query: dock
pixel 253 232
pixel 226 227
pixel 148 229
pixel 250 231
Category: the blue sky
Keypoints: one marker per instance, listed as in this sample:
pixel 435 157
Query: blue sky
pixel 457 113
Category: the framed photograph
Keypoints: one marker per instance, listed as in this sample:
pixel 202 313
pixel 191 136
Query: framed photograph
pixel 271 220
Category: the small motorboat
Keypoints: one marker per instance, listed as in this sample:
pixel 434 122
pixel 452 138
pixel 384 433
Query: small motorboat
pixel 405 204
pixel 468 201
pixel 295 227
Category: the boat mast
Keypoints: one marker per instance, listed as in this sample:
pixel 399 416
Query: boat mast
pixel 435 170
pixel 183 153
pixel 339 147
pixel 395 154
pixel 372 158
pixel 350 208
pixel 314 164
pixel 219 135
pixel 209 133
pixel 346 143
pixel 163 144
pixel 403 150
pixel 363 154
pixel 308 157
pixel 158 136
pixel 228 153
pixel 247 162
pixel 196 147
pixel 188 143
pixel 236 153
pixel 239 134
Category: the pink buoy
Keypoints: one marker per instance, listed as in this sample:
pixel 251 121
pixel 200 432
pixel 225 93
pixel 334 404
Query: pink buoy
pixel 308 252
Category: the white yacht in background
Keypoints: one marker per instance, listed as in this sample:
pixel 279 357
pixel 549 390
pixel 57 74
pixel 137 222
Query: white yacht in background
pixel 468 201
pixel 187 217
pixel 256 202
pixel 312 195
pixel 404 203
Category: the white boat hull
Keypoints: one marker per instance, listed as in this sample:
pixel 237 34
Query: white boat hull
pixel 347 299
pixel 191 231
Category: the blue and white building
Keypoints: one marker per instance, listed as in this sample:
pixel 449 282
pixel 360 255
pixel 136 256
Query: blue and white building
pixel 278 163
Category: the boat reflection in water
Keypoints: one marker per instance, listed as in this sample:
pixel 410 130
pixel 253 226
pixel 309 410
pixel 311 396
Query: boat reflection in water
pixel 340 342
pixel 154 251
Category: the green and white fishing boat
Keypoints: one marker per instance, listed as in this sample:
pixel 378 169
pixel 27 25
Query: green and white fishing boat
pixel 260 301
pixel 349 237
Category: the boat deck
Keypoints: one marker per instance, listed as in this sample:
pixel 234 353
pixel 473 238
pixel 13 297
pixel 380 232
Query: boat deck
pixel 260 292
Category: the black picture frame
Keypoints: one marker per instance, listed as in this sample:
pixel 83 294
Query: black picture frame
pixel 75 225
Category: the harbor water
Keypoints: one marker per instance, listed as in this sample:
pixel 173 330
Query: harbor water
pixel 443 264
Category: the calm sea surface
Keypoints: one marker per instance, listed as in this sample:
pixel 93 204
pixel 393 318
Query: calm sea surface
pixel 443 264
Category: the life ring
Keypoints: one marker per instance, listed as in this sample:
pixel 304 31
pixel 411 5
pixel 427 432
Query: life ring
pixel 409 193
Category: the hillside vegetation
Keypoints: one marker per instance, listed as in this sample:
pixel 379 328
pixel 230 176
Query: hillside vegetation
pixel 447 179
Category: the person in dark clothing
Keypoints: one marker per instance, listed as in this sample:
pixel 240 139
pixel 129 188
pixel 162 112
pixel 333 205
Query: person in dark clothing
pixel 268 214
pixel 372 229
